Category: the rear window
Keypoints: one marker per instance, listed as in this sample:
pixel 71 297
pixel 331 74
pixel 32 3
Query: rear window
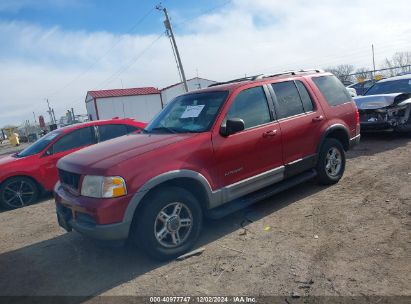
pixel 333 90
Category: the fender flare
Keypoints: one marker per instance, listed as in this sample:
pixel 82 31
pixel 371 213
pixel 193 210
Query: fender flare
pixel 164 177
pixel 330 129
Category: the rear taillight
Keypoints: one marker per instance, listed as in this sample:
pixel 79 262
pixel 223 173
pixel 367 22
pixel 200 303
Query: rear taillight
pixel 357 116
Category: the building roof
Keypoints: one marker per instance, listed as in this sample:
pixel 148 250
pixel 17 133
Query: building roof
pixel 123 92
pixel 191 79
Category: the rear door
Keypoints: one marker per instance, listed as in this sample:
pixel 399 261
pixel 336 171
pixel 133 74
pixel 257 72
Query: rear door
pixel 242 156
pixel 110 131
pixel 301 120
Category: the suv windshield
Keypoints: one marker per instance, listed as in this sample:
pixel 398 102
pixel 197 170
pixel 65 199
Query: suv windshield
pixel 387 87
pixel 39 145
pixel 190 113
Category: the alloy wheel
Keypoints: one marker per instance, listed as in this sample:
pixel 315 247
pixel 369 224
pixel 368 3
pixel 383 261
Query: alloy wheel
pixel 333 162
pixel 173 225
pixel 18 194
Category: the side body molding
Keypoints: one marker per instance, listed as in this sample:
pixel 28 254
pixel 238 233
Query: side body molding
pixel 214 198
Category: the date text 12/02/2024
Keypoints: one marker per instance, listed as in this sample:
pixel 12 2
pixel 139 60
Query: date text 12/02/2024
pixel 203 299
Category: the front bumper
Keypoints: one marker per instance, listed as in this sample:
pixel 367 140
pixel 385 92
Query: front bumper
pixel 72 214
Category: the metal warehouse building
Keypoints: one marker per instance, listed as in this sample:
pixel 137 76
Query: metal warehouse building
pixel 138 103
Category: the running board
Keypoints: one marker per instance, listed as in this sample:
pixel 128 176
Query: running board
pixel 259 195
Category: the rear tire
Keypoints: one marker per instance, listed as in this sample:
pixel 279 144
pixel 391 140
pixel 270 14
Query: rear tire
pixel 17 192
pixel 331 162
pixel 169 223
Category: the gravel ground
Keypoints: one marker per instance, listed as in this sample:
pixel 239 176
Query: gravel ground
pixel 350 239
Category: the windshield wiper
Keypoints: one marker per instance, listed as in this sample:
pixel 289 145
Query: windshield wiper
pixel 169 130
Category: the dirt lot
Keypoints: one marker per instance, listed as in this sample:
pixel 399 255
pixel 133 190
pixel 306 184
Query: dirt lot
pixel 353 238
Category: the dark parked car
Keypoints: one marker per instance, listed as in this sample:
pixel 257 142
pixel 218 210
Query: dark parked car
pixel 208 153
pixel 387 105
pixel 362 87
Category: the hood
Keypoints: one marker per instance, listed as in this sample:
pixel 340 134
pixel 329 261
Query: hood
pixel 8 159
pixel 373 102
pixel 97 158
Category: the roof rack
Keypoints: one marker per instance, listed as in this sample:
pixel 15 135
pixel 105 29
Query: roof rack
pixel 248 78
pixel 293 73
pixel 261 76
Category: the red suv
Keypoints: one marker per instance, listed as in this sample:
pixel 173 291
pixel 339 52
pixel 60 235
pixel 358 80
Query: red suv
pixel 208 153
pixel 24 175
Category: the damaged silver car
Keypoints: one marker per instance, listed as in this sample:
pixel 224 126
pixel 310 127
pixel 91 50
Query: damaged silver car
pixel 387 105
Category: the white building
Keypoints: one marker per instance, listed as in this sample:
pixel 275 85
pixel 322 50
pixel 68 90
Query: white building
pixel 168 93
pixel 138 103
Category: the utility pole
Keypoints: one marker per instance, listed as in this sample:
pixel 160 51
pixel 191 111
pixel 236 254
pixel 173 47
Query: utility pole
pixel 51 113
pixel 373 59
pixel 170 35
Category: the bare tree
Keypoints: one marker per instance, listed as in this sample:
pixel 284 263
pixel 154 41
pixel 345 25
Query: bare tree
pixel 343 72
pixel 363 73
pixel 399 63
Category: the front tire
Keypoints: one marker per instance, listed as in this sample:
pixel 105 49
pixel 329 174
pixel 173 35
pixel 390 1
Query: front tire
pixel 169 223
pixel 331 162
pixel 17 192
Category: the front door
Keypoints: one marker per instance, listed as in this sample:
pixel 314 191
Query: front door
pixel 250 159
pixel 67 144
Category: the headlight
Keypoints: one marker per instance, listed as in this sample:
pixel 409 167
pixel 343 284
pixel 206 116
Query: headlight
pixel 373 105
pixel 103 186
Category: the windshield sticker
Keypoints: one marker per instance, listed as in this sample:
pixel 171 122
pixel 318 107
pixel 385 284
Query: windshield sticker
pixel 192 111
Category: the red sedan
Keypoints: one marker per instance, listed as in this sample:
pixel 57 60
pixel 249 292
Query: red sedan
pixel 25 175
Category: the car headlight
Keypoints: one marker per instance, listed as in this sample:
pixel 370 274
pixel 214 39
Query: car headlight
pixel 103 186
pixel 373 105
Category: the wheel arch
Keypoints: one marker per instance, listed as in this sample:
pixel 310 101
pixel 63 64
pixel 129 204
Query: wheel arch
pixel 38 184
pixel 338 132
pixel 189 180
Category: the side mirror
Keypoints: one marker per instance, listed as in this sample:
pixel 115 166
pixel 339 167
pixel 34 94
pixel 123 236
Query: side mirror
pixel 232 126
pixel 48 152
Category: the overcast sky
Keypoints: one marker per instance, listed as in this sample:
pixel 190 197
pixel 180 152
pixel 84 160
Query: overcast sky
pixel 60 49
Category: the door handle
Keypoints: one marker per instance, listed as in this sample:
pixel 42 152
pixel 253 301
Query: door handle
pixel 270 133
pixel 318 118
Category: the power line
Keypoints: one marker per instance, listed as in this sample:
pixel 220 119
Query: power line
pixel 91 66
pixel 125 67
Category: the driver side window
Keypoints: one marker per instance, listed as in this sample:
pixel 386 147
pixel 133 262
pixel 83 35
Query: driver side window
pixel 78 138
pixel 251 106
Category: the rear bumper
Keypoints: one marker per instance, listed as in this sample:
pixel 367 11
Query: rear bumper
pixel 72 216
pixel 380 125
pixel 355 141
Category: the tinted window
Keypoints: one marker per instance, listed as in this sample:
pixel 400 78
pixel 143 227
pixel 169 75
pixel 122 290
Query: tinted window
pixel 387 87
pixel 39 145
pixel 111 131
pixel 288 99
pixel 332 89
pixel 251 106
pixel 305 96
pixel 78 138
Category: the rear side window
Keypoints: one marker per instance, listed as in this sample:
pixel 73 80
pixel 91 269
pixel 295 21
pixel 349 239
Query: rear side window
pixel 305 96
pixel 107 132
pixel 333 90
pixel 288 98
pixel 78 138
pixel 251 106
